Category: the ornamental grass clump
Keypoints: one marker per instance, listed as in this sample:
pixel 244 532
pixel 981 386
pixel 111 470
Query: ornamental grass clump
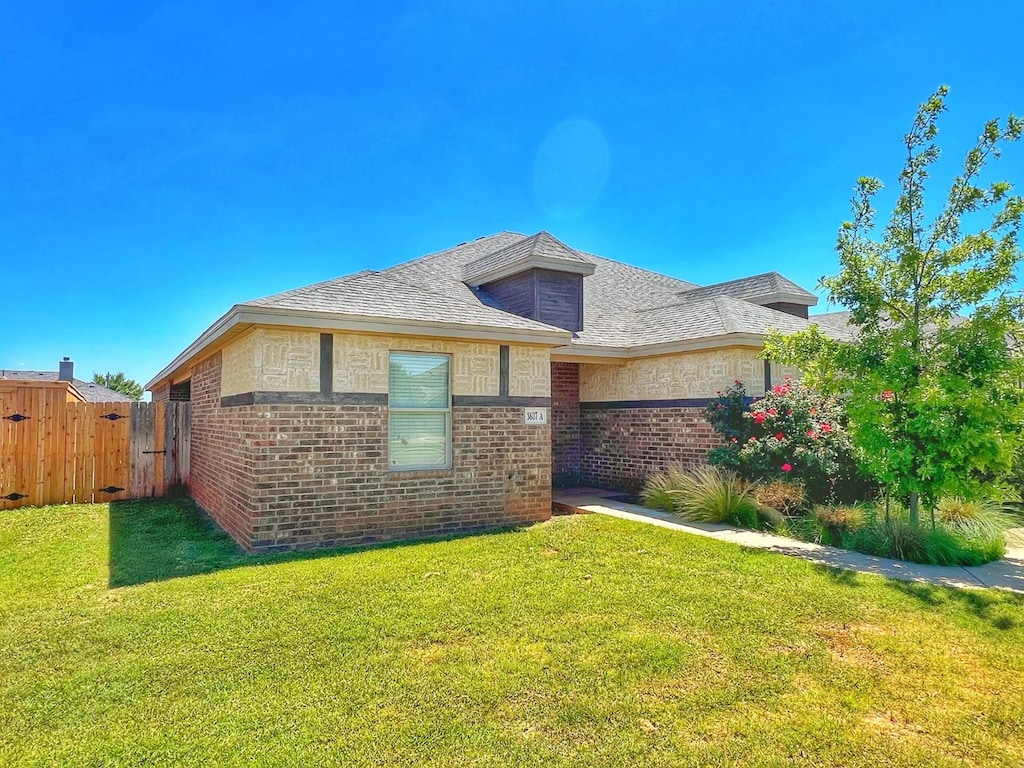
pixel 836 524
pixel 659 490
pixel 965 533
pixel 784 496
pixel 707 495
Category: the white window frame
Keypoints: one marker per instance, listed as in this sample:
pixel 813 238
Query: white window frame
pixel 447 413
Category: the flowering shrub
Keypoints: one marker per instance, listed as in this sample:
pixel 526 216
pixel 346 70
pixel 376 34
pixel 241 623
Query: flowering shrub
pixel 791 433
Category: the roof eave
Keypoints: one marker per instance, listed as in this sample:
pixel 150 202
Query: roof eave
pixel 585 352
pixel 803 299
pixel 533 262
pixel 246 315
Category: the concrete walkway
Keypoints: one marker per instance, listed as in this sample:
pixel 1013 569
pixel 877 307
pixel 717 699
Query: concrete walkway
pixel 1005 574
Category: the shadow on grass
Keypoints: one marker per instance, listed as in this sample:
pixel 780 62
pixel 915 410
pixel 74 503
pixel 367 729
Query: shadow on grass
pixel 988 605
pixel 160 539
pixel 993 606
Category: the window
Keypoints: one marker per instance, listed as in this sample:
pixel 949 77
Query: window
pixel 419 411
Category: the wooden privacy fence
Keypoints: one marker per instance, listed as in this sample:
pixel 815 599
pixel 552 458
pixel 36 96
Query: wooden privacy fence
pixel 52 451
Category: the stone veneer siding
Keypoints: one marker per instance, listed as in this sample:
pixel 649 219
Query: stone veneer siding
pixel 565 424
pixel 279 477
pixel 621 447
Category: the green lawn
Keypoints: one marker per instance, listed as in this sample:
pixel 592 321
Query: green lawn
pixel 136 635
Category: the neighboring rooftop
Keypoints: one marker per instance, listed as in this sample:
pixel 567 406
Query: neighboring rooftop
pixel 90 392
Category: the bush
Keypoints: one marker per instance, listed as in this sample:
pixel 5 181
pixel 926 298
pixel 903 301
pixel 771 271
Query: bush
pixel 706 495
pixel 792 433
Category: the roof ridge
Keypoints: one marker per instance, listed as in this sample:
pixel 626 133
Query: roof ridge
pixel 541 245
pixel 596 257
pixel 445 251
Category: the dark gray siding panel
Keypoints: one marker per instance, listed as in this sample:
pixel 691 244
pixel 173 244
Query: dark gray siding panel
pixel 560 299
pixel 790 309
pixel 551 297
pixel 516 294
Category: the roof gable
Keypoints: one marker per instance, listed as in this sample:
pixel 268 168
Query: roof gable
pixel 767 288
pixel 541 251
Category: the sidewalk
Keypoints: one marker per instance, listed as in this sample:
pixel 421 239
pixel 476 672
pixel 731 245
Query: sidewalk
pixel 1005 574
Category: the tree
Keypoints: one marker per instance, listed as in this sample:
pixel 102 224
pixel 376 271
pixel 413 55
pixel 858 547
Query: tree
pixel 119 383
pixel 933 397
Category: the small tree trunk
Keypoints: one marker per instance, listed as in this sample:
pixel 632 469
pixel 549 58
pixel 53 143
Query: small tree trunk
pixel 915 509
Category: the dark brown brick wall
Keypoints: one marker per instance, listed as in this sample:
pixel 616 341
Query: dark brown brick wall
pixel 565 424
pixel 301 476
pixel 620 447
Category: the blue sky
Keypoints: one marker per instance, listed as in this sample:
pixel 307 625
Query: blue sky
pixel 160 162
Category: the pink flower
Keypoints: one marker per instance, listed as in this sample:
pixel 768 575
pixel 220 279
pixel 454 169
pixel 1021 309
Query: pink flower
pixel 734 440
pixel 787 468
pixel 772 412
pixel 826 428
pixel 779 436
pixel 813 411
pixel 737 381
pixel 888 395
pixel 782 389
pixel 811 433
pixel 752 440
pixel 758 417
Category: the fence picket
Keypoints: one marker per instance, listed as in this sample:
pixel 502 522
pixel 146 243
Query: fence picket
pixel 66 452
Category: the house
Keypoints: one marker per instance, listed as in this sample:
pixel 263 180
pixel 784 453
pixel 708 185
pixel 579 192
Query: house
pixel 450 392
pixel 21 383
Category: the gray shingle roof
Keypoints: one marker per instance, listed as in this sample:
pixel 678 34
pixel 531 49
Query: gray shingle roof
pixel 624 306
pixel 433 292
pixel 755 287
pixel 539 246
pixel 92 393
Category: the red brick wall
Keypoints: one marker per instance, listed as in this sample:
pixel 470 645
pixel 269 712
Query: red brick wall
pixel 620 447
pixel 302 476
pixel 162 393
pixel 565 423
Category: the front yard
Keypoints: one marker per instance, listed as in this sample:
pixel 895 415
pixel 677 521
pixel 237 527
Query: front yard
pixel 136 634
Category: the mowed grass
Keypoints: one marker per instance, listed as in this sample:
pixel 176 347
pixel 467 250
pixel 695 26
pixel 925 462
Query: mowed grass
pixel 139 635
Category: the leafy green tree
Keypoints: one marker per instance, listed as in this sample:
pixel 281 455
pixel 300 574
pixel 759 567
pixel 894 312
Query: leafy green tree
pixel 119 383
pixel 932 378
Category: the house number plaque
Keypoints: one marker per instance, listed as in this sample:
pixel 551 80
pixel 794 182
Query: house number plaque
pixel 535 416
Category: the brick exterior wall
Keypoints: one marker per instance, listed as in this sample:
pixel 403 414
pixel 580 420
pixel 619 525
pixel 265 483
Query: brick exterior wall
pixel 223 466
pixel 620 447
pixel 162 393
pixel 565 424
pixel 279 477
